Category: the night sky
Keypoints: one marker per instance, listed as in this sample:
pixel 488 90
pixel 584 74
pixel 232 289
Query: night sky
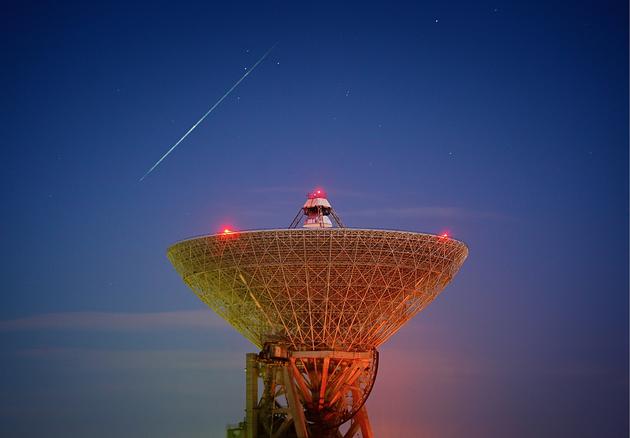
pixel 502 123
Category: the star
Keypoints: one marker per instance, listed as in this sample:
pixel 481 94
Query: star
pixel 436 20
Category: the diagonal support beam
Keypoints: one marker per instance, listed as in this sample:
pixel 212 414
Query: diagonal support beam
pixel 295 407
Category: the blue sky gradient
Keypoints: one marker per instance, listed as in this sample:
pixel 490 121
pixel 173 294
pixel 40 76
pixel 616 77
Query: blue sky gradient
pixel 505 124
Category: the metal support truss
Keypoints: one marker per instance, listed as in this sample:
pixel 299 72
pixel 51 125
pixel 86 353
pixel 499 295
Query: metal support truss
pixel 309 394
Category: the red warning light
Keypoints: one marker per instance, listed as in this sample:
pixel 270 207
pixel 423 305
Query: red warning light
pixel 444 235
pixel 317 193
pixel 227 231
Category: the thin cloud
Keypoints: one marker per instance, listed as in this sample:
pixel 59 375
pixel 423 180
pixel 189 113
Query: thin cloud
pixel 136 359
pixel 278 189
pixel 110 321
pixel 440 212
pixel 304 190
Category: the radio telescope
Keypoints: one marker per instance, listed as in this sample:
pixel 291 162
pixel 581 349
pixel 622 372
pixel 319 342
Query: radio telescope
pixel 317 300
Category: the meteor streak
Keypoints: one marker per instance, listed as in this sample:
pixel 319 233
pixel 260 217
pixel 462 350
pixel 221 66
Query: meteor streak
pixel 208 112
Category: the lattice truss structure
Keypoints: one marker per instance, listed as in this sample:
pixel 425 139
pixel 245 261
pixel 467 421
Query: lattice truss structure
pixel 313 391
pixel 339 289
pixel 333 385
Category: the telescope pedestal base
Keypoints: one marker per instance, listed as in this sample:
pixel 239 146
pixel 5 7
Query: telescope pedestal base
pixel 308 395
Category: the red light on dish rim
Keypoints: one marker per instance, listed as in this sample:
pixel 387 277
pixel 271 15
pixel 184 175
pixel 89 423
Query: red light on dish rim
pixel 227 230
